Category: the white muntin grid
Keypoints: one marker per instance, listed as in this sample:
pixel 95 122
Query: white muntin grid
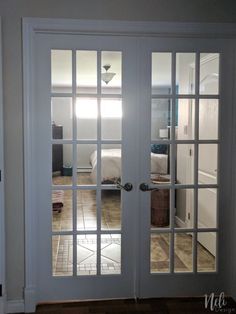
pixel 172 142
pixel 74 95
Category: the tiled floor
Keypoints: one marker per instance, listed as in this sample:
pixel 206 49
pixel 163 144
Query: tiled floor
pixel 111 243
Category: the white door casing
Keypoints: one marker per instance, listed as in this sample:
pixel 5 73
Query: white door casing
pixel 147 285
pixel 2 208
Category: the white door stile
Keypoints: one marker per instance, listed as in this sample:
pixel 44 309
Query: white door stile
pixel 136 250
pixel 2 207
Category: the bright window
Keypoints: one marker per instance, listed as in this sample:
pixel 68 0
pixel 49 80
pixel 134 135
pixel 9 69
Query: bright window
pixel 86 108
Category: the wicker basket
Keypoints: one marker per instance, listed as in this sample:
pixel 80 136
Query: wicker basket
pixel 160 204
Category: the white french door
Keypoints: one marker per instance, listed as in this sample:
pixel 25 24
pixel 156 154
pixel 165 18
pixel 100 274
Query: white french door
pixel 184 102
pixel 126 172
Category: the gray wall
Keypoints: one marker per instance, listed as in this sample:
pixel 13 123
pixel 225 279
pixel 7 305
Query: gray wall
pixel 12 11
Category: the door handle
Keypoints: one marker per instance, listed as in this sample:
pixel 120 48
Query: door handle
pixel 127 187
pixel 145 187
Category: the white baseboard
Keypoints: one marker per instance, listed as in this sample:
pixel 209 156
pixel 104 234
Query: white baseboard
pixel 180 223
pixel 15 306
pixel 2 305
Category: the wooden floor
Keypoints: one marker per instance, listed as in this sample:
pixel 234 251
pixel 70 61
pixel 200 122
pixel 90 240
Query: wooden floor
pixel 149 306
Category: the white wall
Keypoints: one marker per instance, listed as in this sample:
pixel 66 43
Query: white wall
pixel 12 11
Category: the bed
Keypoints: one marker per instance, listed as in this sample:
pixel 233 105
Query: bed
pixel 111 165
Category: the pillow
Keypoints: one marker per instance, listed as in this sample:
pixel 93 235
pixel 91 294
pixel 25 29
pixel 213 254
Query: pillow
pixel 159 148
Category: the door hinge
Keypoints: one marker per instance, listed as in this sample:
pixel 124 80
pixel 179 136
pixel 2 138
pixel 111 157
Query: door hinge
pixel 190 152
pixel 189 216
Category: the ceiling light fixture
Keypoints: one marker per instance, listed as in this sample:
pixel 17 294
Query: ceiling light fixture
pixel 107 76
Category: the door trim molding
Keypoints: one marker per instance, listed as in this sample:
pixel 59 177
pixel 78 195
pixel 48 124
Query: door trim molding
pixel 2 207
pixel 111 27
pixel 32 26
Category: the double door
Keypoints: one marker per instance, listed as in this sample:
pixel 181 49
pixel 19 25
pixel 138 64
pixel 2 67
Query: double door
pixel 134 211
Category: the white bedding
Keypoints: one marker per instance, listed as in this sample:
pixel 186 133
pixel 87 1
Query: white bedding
pixel 111 164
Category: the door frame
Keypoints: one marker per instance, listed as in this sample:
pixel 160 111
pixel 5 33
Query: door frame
pixel 32 26
pixel 2 207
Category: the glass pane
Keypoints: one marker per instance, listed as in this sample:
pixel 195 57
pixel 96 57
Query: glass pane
pixel 161 119
pixel 206 251
pixel 110 254
pixel 61 71
pixel 86 113
pixel 86 164
pixel 183 260
pixel 61 118
pixel 86 71
pixel 111 115
pixel 62 255
pixel 62 210
pixel 111 163
pixel 185 73
pixel 62 164
pixel 184 204
pixel 185 119
pixel 209 73
pixel 160 161
pixel 208 163
pixel 208 119
pixel 161 73
pixel 207 208
pixel 160 207
pixel 160 253
pixel 111 72
pixel 86 210
pixel 86 254
pixel 111 209
pixel 185 164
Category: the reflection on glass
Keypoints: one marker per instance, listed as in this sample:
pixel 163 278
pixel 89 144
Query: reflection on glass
pixel 62 255
pixel 110 254
pixel 62 164
pixel 161 119
pixel 208 119
pixel 86 254
pixel 62 210
pixel 206 251
pixel 111 163
pixel 61 71
pixel 185 73
pixel 61 108
pixel 111 72
pixel 207 205
pixel 185 164
pixel 86 113
pixel 184 213
pixel 111 210
pixel 185 119
pixel 86 158
pixel 160 253
pixel 209 73
pixel 86 210
pixel 86 71
pixel 161 73
pixel 183 258
pixel 111 115
pixel 208 163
